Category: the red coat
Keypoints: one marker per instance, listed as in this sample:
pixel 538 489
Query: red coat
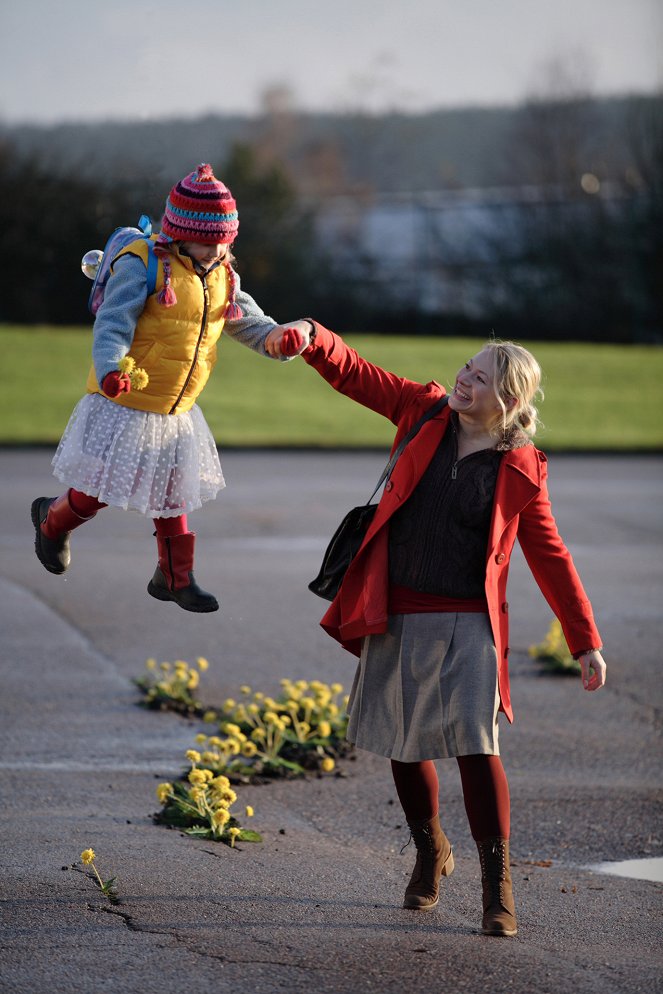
pixel 521 510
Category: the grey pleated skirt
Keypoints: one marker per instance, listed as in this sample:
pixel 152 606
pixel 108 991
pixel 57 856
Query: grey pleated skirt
pixel 427 689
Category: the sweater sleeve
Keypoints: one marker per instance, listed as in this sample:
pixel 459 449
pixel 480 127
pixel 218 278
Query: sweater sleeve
pixel 254 326
pixel 115 324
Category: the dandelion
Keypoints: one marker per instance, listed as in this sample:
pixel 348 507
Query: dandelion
pixel 249 749
pixel 164 790
pixel 209 717
pixel 336 688
pixel 197 777
pixel 202 664
pixel 324 729
pixel 193 755
pixel 220 817
pixel 139 378
pixel 201 738
pixel 165 667
pixel 106 886
pixel 233 833
pixel 327 764
pixel 194 680
pixel 229 704
pixel 150 664
pixel 127 365
pixel 249 811
pixel 245 689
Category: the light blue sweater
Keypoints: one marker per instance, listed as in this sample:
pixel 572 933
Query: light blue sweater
pixel 123 304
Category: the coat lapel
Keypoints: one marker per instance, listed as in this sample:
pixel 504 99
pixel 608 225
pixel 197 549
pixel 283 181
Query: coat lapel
pixel 518 481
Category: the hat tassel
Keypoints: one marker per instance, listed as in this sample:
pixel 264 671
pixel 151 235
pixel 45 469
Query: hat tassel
pixel 233 311
pixel 166 295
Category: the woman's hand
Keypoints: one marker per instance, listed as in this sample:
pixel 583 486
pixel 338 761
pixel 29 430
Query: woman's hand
pixel 593 668
pixel 288 340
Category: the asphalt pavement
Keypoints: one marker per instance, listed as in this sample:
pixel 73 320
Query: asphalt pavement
pixel 316 906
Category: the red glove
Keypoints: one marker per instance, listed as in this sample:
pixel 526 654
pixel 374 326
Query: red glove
pixel 115 383
pixel 291 342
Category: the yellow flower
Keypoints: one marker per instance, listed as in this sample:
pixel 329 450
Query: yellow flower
pixel 139 378
pixel 271 718
pixel 193 755
pixel 327 764
pixel 249 749
pixel 324 729
pixel 253 709
pixel 202 664
pixel 336 688
pixel 220 782
pixel 230 729
pixel 234 746
pixel 164 666
pixel 127 364
pixel 270 703
pixel 301 685
pixel 258 734
pixel 197 777
pixel 229 704
pixel 286 719
pixel 229 795
pixel 245 689
pixel 197 794
pixel 220 817
pixel 233 833
pixel 164 790
pixel 209 717
pixel 150 664
pixel 88 856
pixel 201 738
pixel 249 811
pixel 194 680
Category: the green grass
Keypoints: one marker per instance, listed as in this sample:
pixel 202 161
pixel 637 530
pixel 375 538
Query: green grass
pixel 255 402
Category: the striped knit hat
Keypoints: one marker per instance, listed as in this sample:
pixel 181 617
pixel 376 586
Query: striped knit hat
pixel 200 208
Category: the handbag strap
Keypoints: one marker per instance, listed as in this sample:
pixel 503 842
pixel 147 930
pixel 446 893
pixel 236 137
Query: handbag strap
pixel 430 413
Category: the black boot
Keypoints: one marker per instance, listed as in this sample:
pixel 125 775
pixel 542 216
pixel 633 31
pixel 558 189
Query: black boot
pixel 173 578
pixel 54 519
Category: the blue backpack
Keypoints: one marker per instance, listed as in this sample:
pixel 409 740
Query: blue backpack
pixel 97 265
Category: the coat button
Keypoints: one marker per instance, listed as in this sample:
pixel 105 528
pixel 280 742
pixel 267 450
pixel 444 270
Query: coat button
pixel 505 607
pixel 389 486
pixel 500 557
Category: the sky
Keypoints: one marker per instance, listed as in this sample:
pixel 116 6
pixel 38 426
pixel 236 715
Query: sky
pixel 88 60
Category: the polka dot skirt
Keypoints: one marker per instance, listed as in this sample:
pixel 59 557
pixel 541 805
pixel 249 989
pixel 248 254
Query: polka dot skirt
pixel 162 465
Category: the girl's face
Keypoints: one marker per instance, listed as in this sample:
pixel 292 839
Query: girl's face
pixel 473 394
pixel 205 254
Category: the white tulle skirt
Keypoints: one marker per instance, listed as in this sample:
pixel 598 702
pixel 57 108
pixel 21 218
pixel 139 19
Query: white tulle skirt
pixel 162 465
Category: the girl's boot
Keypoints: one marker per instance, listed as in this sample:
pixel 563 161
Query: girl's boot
pixel 499 910
pixel 173 578
pixel 54 519
pixel 434 860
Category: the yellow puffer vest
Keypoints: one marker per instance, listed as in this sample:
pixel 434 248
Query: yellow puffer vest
pixel 176 346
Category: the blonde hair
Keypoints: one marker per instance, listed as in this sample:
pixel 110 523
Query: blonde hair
pixel 517 375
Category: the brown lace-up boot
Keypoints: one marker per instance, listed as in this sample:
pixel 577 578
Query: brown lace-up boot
pixel 434 860
pixel 499 910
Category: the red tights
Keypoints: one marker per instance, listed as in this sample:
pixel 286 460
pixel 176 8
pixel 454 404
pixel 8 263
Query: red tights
pixel 485 793
pixel 85 506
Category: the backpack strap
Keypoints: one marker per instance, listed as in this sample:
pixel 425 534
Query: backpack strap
pixel 152 269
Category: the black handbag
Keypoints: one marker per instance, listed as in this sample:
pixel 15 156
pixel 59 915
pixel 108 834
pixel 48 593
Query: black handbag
pixel 349 535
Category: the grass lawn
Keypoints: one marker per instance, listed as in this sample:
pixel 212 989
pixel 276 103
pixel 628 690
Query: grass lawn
pixel 251 401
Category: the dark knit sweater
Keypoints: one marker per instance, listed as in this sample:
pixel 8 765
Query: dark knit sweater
pixel 438 539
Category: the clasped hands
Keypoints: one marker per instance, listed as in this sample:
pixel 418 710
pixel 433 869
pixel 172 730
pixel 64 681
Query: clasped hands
pixel 288 340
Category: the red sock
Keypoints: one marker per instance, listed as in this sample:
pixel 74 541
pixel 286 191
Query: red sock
pixel 418 788
pixel 486 796
pixel 171 527
pixel 84 505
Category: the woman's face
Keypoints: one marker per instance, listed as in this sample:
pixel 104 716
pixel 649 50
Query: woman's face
pixel 205 254
pixel 473 394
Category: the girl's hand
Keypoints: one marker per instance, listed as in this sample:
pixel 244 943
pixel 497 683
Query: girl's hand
pixel 116 383
pixel 593 668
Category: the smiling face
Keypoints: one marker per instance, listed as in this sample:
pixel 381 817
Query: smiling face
pixel 473 395
pixel 205 254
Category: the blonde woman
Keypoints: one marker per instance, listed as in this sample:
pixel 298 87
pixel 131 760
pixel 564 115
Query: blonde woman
pixel 424 602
